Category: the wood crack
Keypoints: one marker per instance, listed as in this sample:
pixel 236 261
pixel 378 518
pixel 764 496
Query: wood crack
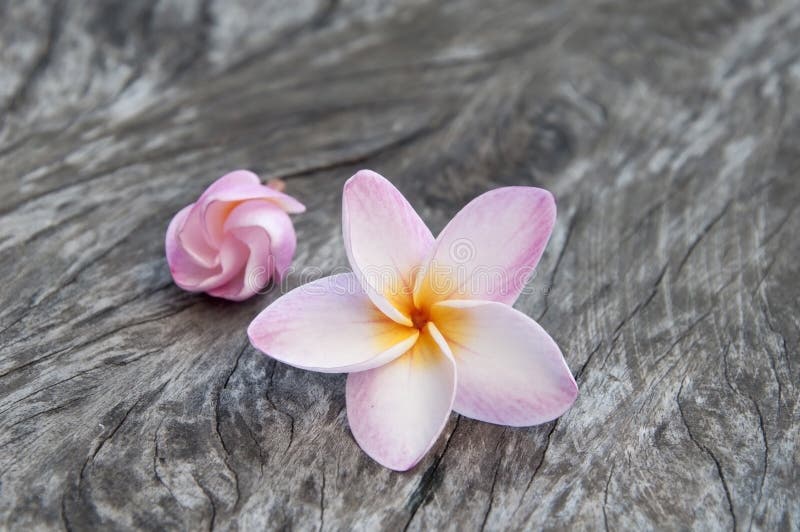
pixel 275 408
pixel 156 458
pixel 579 373
pixel 772 363
pixel 705 231
pixel 217 418
pixel 561 253
pixel 58 408
pixel 707 450
pixel 425 486
pixel 544 454
pixel 210 497
pixel 643 304
pixel 97 339
pixel 494 481
pixel 605 495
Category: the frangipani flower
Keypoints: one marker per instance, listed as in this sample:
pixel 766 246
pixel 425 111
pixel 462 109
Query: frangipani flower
pixel 420 327
pixel 234 239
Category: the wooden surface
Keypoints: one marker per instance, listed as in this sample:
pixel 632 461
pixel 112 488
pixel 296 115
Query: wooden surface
pixel 668 130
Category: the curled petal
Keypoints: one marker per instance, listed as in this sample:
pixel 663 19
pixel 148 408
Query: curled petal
pixel 253 218
pixel 490 249
pixel 385 240
pixel 190 274
pixel 190 271
pixel 269 241
pixel 510 371
pixel 329 325
pixel 397 411
pixel 257 269
pixel 241 185
pixel 190 234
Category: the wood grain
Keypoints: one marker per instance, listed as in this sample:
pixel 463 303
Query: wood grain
pixel 668 130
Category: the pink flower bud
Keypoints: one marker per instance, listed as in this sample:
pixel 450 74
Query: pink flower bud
pixel 234 239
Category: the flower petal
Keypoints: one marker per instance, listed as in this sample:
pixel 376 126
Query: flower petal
pixel 397 411
pixel 329 325
pixel 192 236
pixel 256 272
pixel 510 371
pixel 197 275
pixel 386 242
pixel 274 224
pixel 185 268
pixel 242 185
pixel 489 250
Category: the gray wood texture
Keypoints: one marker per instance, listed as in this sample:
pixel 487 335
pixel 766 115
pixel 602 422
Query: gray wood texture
pixel 669 132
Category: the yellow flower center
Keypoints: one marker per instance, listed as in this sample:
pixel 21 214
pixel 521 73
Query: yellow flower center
pixel 420 318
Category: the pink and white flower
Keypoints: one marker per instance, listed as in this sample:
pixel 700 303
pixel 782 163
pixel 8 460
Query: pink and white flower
pixel 234 239
pixel 426 326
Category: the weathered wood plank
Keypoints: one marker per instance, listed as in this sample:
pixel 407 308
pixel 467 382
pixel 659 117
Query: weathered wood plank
pixel 668 131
